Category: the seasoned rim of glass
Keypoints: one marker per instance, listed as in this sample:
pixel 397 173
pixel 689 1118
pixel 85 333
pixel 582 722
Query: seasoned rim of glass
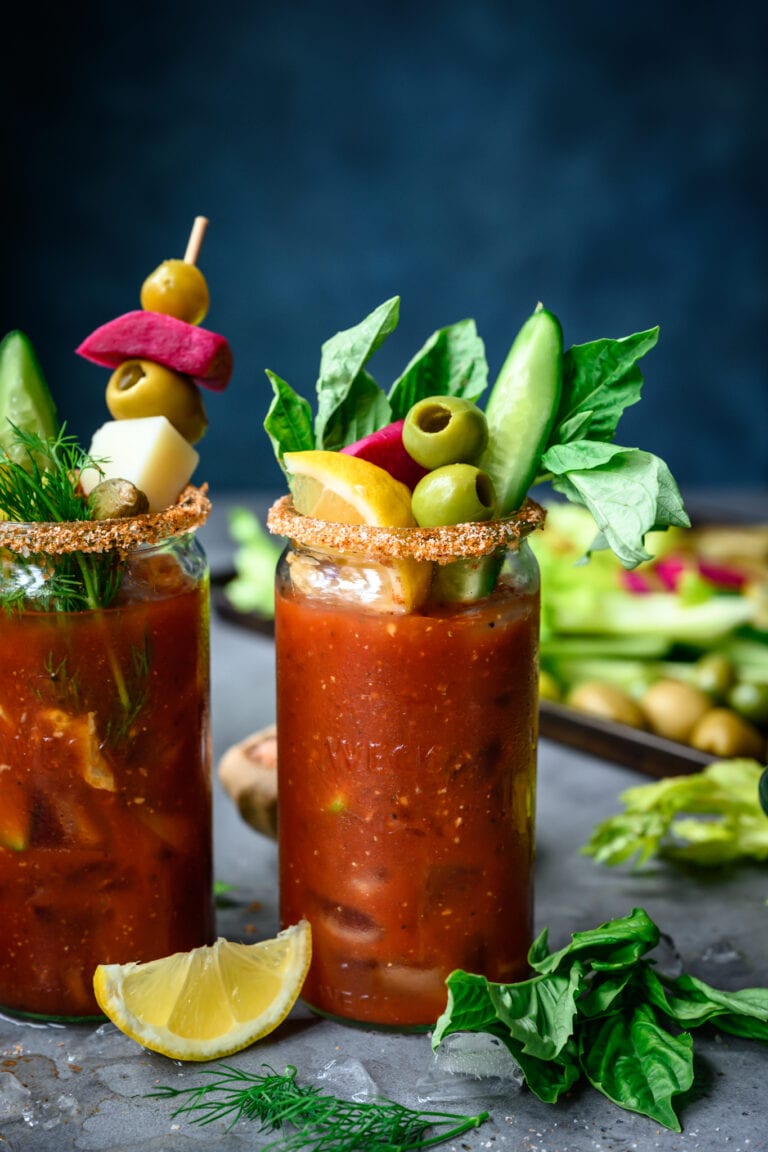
pixel 442 544
pixel 188 513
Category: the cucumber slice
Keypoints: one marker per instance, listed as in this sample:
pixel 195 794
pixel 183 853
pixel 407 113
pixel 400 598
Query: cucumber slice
pixel 522 407
pixel 463 580
pixel 25 400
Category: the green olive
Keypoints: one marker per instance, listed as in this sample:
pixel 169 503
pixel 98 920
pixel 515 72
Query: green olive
pixel 454 494
pixel 672 708
pixel 178 289
pixel 607 702
pixel 750 700
pixel 114 499
pixel 444 430
pixel 143 388
pixel 724 734
pixel 714 674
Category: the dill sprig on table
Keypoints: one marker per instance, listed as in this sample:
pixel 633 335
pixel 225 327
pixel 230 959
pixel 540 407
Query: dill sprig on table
pixel 38 484
pixel 321 1122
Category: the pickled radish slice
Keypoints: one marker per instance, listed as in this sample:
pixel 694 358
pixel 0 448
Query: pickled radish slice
pixel 186 348
pixel 385 448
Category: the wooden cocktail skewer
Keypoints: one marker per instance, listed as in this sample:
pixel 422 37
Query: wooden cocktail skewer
pixel 195 242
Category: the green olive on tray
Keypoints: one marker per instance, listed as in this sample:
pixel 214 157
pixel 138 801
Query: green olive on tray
pixel 607 702
pixel 672 708
pixel 714 673
pixel 725 734
pixel 750 700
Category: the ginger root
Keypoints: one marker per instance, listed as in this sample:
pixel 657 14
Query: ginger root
pixel 248 773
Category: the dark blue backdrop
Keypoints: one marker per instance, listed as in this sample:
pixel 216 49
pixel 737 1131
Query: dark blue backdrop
pixel 471 157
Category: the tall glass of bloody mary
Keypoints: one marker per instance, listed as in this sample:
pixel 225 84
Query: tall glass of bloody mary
pixel 406 622
pixel 105 797
pixel 406 760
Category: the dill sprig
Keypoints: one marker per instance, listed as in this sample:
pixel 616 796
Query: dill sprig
pixel 38 479
pixel 136 691
pixel 321 1122
pixel 38 484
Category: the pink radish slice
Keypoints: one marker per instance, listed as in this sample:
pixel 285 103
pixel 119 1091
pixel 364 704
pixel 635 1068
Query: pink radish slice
pixel 385 448
pixel 186 348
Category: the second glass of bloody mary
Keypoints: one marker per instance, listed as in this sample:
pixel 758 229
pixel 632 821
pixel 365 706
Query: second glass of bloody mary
pixel 406 759
pixel 105 790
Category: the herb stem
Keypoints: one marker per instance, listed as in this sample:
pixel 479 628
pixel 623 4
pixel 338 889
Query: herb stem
pixel 92 600
pixel 322 1123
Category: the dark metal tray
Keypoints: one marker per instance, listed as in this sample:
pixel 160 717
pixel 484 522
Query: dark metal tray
pixel 632 748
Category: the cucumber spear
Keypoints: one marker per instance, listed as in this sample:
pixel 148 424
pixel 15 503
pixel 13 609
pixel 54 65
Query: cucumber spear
pixel 25 400
pixel 520 412
pixel 522 407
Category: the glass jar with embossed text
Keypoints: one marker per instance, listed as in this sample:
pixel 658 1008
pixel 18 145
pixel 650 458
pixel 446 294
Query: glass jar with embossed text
pixel 406 758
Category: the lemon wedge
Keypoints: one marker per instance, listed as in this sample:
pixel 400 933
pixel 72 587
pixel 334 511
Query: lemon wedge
pixel 347 490
pixel 210 1002
pixel 344 489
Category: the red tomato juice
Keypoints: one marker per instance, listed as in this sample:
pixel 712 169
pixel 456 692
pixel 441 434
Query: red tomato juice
pixel 105 794
pixel 406 760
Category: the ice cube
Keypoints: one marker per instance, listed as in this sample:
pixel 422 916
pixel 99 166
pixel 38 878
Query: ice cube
pixel 15 1099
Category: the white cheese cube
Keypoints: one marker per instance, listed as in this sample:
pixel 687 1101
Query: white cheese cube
pixel 149 452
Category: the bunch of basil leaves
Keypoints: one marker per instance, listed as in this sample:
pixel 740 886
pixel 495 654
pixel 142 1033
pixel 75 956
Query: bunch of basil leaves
pixel 599 1009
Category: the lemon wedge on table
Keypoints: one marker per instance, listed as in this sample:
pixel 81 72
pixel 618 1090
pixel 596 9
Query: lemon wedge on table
pixel 210 1002
pixel 344 489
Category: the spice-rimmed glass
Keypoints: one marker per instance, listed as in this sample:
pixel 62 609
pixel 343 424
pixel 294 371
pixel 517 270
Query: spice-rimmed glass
pixel 105 789
pixel 406 759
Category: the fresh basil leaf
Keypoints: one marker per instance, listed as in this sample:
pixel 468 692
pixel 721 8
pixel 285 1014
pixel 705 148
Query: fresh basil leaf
pixel 749 1002
pixel 469 1008
pixel 547 1079
pixel 690 1003
pixel 600 379
pixel 539 1013
pixel 629 493
pixel 605 994
pixel 364 409
pixel 539 950
pixel 451 363
pixel 613 945
pixel 288 422
pixel 342 359
pixel 637 1064
pixel 576 427
pixel 744 1026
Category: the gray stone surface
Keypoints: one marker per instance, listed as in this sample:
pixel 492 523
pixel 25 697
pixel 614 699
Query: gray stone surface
pixel 83 1088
